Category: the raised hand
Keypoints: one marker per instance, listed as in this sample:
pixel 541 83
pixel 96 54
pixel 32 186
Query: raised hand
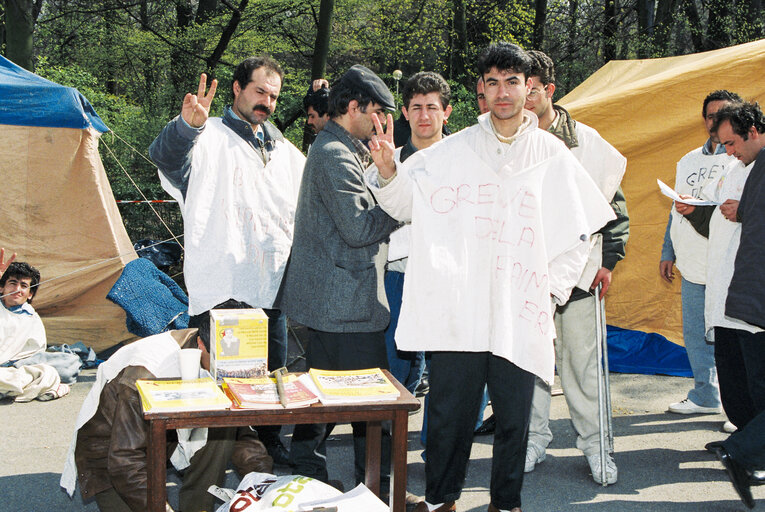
pixel 196 107
pixel 4 264
pixel 319 83
pixel 382 147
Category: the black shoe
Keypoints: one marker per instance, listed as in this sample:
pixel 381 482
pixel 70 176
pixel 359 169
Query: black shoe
pixel 739 477
pixel 757 477
pixel 422 388
pixel 712 446
pixel 278 452
pixel 487 427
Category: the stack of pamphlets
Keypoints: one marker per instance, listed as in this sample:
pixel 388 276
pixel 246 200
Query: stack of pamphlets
pixel 352 386
pixel 261 393
pixel 181 395
pixel 239 343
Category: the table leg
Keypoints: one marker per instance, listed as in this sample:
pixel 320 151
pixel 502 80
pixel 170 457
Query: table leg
pixel 156 466
pixel 373 441
pixel 399 455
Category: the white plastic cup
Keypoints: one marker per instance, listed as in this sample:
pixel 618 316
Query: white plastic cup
pixel 190 359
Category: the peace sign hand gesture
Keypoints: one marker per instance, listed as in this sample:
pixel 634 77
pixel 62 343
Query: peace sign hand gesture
pixel 4 264
pixel 196 107
pixel 382 147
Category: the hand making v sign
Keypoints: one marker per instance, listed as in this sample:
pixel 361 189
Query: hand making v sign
pixel 382 148
pixel 196 107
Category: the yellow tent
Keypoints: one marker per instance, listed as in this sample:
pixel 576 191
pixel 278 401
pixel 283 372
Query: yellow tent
pixel 650 110
pixel 58 211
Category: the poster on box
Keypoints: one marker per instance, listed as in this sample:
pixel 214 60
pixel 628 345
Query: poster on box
pixel 240 343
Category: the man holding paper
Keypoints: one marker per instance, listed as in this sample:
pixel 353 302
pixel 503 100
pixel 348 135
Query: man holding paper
pixel 501 217
pixel 686 247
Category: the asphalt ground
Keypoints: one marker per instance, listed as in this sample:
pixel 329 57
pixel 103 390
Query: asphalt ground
pixel 661 458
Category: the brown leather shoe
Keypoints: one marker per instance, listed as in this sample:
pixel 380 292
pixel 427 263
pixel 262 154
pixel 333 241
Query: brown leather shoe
pixel 449 506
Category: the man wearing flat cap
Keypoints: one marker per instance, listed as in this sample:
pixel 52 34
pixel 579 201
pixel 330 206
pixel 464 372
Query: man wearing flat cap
pixel 334 279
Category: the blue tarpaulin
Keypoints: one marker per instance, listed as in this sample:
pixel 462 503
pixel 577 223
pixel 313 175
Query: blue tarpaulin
pixel 646 353
pixel 30 100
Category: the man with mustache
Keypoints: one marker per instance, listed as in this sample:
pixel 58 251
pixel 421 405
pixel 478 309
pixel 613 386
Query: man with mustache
pixel 236 179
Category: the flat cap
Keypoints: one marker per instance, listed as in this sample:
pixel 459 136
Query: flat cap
pixel 364 79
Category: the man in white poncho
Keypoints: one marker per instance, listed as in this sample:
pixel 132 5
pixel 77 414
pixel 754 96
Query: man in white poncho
pixel 501 217
pixel 22 335
pixel 236 179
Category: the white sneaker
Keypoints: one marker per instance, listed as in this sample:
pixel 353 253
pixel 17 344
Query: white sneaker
pixel 729 427
pixel 687 406
pixel 534 455
pixel 611 471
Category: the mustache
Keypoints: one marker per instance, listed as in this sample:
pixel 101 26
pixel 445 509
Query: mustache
pixel 262 108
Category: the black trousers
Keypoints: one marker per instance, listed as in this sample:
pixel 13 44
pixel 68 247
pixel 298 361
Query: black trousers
pixel 740 361
pixel 457 380
pixel 340 351
pixel 747 445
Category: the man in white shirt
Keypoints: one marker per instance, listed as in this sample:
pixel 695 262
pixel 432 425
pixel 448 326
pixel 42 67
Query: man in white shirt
pixel 236 179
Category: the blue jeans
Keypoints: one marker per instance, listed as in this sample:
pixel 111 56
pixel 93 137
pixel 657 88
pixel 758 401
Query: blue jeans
pixel 406 367
pixel 705 392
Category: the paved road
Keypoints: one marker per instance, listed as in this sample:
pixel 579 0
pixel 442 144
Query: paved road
pixel 661 460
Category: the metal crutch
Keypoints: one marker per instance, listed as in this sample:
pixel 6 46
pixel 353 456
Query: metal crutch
pixel 604 393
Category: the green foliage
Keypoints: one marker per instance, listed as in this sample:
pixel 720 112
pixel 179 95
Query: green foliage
pixel 135 65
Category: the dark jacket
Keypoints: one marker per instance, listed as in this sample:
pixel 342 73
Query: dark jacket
pixel 334 278
pixel 746 295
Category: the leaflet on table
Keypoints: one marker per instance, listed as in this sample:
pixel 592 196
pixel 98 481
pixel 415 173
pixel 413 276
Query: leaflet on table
pixel 261 393
pixel 181 395
pixel 239 345
pixel 670 192
pixel 350 386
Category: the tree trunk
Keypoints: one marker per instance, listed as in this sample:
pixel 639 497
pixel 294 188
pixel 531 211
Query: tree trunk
pixel 320 52
pixel 694 23
pixel 540 16
pixel 609 30
pixel 718 35
pixel 459 40
pixel 225 37
pixel 321 47
pixel 205 11
pixel 19 26
pixel 664 23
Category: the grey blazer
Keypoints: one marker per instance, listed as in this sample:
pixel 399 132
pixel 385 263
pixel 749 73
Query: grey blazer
pixel 334 278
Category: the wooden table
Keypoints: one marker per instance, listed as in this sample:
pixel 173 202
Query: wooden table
pixel 373 413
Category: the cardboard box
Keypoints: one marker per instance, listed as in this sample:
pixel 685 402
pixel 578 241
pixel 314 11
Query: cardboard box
pixel 239 345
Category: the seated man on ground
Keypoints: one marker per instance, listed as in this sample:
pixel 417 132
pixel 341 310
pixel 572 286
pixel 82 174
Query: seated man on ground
pixel 22 335
pixel 108 451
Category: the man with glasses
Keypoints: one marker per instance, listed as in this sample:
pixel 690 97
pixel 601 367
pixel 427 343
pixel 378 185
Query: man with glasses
pixel 576 344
